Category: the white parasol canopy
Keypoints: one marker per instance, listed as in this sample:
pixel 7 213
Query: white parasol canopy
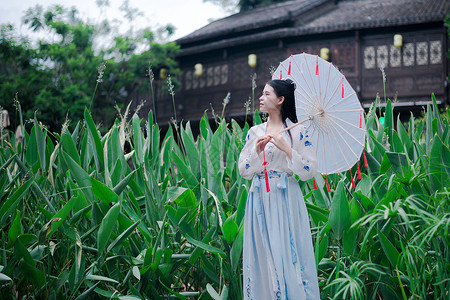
pixel 329 107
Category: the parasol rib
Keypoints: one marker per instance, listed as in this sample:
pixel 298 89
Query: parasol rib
pixel 343 99
pixel 332 95
pixel 337 124
pixel 340 149
pixel 301 86
pixel 326 89
pixel 346 110
pixel 312 80
pixel 345 141
pixel 325 134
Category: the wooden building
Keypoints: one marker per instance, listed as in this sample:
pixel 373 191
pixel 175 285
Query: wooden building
pixel 358 36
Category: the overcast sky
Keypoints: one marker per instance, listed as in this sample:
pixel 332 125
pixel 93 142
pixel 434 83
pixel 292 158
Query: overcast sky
pixel 185 15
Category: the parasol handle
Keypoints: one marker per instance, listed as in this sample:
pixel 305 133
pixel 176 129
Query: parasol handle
pixel 290 127
pixel 298 123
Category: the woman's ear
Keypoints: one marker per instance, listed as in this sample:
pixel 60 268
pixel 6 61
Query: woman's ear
pixel 280 100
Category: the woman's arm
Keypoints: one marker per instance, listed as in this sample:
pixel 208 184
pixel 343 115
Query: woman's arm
pixel 303 161
pixel 250 161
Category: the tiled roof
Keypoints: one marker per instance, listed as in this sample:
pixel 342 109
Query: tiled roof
pixel 376 13
pixel 298 17
pixel 250 19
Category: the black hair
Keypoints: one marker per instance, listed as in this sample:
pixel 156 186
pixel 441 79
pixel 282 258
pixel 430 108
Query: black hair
pixel 286 88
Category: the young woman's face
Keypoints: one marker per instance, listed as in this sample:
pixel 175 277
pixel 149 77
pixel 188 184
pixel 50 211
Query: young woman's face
pixel 269 102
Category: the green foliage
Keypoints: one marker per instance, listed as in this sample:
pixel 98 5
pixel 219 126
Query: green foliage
pixel 61 75
pixel 81 218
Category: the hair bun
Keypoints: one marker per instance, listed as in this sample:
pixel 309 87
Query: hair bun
pixel 292 83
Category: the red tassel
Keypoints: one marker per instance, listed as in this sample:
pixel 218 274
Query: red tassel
pixel 271 78
pixel 342 86
pixel 289 70
pixel 365 158
pixel 315 185
pixel 317 65
pixel 359 170
pixel 360 119
pixel 266 176
pixel 328 185
pixel 351 177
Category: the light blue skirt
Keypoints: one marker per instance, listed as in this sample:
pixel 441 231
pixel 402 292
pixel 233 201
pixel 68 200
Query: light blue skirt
pixel 278 259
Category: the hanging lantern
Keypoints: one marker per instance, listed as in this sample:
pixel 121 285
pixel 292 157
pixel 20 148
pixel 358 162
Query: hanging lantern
pixel 325 53
pixel 198 69
pixel 252 60
pixel 163 73
pixel 398 41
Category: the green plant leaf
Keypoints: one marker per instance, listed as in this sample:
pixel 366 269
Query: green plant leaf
pixel 182 196
pixel 3 277
pixel 192 153
pixel 15 229
pixel 389 250
pixel 10 204
pixel 339 217
pixel 95 142
pixel 107 226
pixel 240 212
pixel 80 176
pixel 40 144
pixel 68 145
pixel 236 249
pixel 123 236
pixel 102 192
pixel 229 229
pixel 100 278
pixel 204 246
pixel 185 171
pixel 86 293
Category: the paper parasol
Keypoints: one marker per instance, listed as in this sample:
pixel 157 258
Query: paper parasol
pixel 329 107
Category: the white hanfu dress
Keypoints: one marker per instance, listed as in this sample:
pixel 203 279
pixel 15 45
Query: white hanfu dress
pixel 278 258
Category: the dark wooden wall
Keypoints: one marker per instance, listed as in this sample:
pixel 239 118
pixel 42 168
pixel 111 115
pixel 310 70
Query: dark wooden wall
pixel 413 72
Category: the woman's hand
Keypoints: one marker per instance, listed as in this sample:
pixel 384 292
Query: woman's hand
pixel 278 140
pixel 261 143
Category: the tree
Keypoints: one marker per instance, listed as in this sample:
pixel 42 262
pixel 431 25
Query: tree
pixel 68 71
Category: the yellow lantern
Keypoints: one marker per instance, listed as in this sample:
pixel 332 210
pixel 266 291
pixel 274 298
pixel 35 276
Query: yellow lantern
pixel 198 69
pixel 252 60
pixel 398 41
pixel 163 73
pixel 325 53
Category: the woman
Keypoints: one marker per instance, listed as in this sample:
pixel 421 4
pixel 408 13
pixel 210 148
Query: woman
pixel 278 259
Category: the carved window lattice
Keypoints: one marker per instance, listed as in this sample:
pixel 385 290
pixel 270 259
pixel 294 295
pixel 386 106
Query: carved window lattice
pixel 369 57
pixel 382 56
pixel 188 80
pixel 395 57
pixel 216 75
pixel 435 52
pixel 209 76
pixel 224 74
pixel 212 76
pixel 195 80
pixel 408 54
pixel 422 53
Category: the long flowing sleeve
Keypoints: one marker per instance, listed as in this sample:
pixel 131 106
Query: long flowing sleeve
pixel 304 160
pixel 250 163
